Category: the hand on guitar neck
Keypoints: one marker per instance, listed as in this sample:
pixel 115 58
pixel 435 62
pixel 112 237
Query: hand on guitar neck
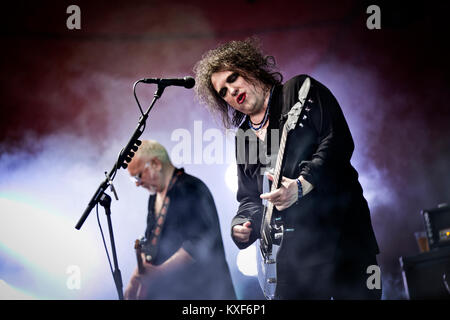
pixel 141 279
pixel 145 272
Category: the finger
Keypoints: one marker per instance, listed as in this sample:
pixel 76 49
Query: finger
pixel 271 195
pixel 242 238
pixel 241 235
pixel 269 175
pixel 246 228
pixel 239 231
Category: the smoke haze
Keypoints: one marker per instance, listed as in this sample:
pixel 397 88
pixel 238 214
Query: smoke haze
pixel 68 109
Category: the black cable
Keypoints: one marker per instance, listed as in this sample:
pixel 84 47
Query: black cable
pixel 135 96
pixel 104 242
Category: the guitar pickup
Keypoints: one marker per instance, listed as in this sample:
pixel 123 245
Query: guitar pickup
pixel 278 235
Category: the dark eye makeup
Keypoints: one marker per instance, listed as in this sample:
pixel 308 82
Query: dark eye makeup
pixel 230 79
pixel 223 92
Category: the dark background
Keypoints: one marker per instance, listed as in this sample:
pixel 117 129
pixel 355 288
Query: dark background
pixel 67 109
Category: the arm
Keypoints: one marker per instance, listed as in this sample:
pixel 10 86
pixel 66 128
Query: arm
pixel 246 224
pixel 177 260
pixel 139 283
pixel 331 156
pixel 335 146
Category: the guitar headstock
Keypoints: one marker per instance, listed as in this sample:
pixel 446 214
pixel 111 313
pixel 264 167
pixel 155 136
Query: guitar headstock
pixel 295 111
pixel 137 244
pixel 293 115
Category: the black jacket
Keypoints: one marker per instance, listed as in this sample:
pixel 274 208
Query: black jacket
pixel 333 220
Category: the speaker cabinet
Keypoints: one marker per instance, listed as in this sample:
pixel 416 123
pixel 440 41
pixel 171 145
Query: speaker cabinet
pixel 437 226
pixel 427 275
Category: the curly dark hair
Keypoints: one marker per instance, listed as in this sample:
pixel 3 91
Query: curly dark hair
pixel 244 57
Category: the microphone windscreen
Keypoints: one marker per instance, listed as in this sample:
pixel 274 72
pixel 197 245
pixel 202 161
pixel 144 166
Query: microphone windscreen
pixel 190 82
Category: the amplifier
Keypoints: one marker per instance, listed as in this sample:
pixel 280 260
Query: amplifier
pixel 437 226
pixel 427 275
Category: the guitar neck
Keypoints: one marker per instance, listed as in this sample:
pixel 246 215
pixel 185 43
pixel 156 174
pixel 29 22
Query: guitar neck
pixel 276 175
pixel 137 248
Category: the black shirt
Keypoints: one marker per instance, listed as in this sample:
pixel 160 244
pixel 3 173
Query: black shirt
pixel 333 220
pixel 192 224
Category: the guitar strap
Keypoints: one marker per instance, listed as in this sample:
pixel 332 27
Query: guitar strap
pixel 151 246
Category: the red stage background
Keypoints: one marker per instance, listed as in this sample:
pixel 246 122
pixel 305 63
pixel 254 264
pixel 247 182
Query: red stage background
pixel 67 109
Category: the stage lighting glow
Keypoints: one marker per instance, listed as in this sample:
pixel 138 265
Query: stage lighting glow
pixel 8 292
pixel 231 179
pixel 44 244
pixel 246 261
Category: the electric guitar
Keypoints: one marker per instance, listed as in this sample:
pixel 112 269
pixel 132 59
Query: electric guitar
pixel 141 246
pixel 138 250
pixel 273 231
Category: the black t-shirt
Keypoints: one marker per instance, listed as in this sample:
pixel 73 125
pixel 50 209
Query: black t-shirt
pixel 192 224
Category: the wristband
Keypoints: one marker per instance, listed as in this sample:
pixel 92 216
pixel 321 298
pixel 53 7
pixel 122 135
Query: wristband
pixel 300 189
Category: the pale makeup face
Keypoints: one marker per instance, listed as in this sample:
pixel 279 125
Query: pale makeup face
pixel 149 175
pixel 240 94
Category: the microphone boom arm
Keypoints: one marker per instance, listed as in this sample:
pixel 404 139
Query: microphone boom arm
pixel 130 146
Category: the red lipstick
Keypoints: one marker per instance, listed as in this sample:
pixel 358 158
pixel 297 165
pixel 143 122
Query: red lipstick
pixel 241 98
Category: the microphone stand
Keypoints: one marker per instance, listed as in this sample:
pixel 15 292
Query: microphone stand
pixel 104 199
pixel 105 202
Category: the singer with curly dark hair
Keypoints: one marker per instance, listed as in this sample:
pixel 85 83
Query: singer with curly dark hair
pixel 242 57
pixel 330 243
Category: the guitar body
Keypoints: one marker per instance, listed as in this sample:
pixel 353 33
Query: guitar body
pixel 267 266
pixel 272 230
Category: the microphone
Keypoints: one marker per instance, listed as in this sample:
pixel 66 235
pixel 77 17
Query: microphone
pixel 187 82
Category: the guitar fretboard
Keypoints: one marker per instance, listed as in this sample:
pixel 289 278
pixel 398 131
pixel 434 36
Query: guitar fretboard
pixel 276 177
